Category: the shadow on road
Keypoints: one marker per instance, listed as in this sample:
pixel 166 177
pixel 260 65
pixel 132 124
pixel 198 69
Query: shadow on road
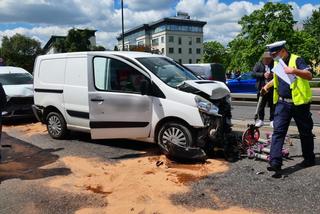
pixel 292 169
pixel 129 148
pixel 22 160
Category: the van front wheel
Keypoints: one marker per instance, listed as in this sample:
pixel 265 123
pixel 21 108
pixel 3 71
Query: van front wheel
pixel 56 125
pixel 174 134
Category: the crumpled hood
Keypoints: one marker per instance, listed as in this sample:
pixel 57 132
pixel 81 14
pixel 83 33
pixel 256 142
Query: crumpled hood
pixel 18 90
pixel 215 89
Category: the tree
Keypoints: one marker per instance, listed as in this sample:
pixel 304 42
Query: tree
pixel 214 52
pixel 76 40
pixel 312 26
pixel 20 51
pixel 271 23
pixel 238 56
pixel 98 48
pixel 143 48
pixel 305 45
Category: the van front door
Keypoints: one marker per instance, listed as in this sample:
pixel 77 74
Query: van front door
pixel 117 109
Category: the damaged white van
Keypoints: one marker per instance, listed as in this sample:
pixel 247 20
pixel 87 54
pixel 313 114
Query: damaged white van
pixel 132 95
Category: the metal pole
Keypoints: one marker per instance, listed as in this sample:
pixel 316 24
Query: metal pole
pixel 122 25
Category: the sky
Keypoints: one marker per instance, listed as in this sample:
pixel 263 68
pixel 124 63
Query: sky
pixel 39 19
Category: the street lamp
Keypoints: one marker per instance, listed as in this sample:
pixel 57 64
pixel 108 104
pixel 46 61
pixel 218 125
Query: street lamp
pixel 122 25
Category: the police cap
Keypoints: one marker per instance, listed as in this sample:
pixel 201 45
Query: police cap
pixel 276 46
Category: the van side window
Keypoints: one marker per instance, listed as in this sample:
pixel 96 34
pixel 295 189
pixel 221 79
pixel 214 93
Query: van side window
pixel 114 75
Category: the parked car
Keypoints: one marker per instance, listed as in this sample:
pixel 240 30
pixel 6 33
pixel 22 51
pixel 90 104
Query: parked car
pixel 209 71
pixel 131 95
pixel 18 86
pixel 245 83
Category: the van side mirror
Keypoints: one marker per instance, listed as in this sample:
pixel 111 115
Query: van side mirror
pixel 145 87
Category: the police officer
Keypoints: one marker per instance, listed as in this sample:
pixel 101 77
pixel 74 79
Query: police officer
pixel 292 101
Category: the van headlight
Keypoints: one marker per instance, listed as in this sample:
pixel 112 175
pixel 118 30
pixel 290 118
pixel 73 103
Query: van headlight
pixel 206 106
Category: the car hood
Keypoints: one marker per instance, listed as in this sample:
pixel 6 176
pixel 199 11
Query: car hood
pixel 18 90
pixel 214 89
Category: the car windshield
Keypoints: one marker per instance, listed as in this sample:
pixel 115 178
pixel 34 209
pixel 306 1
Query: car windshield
pixel 246 76
pixel 167 70
pixel 16 79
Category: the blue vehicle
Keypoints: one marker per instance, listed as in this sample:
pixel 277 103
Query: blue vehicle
pixel 245 83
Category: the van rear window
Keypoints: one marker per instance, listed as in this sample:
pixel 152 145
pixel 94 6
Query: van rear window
pixel 16 79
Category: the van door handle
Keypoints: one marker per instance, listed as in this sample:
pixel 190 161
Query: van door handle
pixel 97 100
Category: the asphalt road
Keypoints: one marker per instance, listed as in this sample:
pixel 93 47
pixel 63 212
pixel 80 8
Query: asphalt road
pixel 246 184
pixel 246 112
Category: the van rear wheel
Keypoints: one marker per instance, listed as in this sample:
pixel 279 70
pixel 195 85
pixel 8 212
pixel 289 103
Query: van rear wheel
pixel 56 125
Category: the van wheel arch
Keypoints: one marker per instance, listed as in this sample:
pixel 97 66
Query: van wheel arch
pixel 49 109
pixel 168 120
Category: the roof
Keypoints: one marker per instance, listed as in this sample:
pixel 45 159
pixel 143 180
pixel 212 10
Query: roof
pixel 171 20
pixel 129 54
pixel 11 69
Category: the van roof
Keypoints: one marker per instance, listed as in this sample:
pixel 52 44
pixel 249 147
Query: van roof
pixel 130 54
pixel 11 69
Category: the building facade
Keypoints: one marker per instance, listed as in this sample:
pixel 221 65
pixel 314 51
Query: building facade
pixel 179 38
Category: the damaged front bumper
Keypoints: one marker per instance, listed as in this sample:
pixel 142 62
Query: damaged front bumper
pixel 18 107
pixel 38 113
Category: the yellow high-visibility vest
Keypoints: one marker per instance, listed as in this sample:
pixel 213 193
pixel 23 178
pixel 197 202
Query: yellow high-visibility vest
pixel 300 88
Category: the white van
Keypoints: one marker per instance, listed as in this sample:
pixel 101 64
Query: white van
pixel 132 95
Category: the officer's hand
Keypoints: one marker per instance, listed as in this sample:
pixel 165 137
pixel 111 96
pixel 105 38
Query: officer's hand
pixel 289 70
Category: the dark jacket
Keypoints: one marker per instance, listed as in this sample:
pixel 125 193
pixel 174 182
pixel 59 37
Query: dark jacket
pixel 3 98
pixel 258 73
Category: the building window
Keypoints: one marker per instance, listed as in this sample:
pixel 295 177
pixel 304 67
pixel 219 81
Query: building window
pixel 190 50
pixel 198 40
pixel 180 61
pixel 162 50
pixel 171 39
pixel 190 40
pixel 198 50
pixel 155 42
pixel 198 60
pixel 190 61
pixel 180 50
pixel 171 50
pixel 179 41
pixel 162 39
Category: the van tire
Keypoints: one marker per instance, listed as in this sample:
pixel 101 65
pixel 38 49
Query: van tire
pixel 177 133
pixel 56 125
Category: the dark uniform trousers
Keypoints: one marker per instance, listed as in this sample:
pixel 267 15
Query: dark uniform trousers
pixel 284 112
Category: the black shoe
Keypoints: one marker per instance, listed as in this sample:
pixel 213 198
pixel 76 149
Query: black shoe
pixel 307 163
pixel 277 174
pixel 274 168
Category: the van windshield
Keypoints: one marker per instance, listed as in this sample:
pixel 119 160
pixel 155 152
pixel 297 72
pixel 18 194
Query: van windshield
pixel 167 70
pixel 16 79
